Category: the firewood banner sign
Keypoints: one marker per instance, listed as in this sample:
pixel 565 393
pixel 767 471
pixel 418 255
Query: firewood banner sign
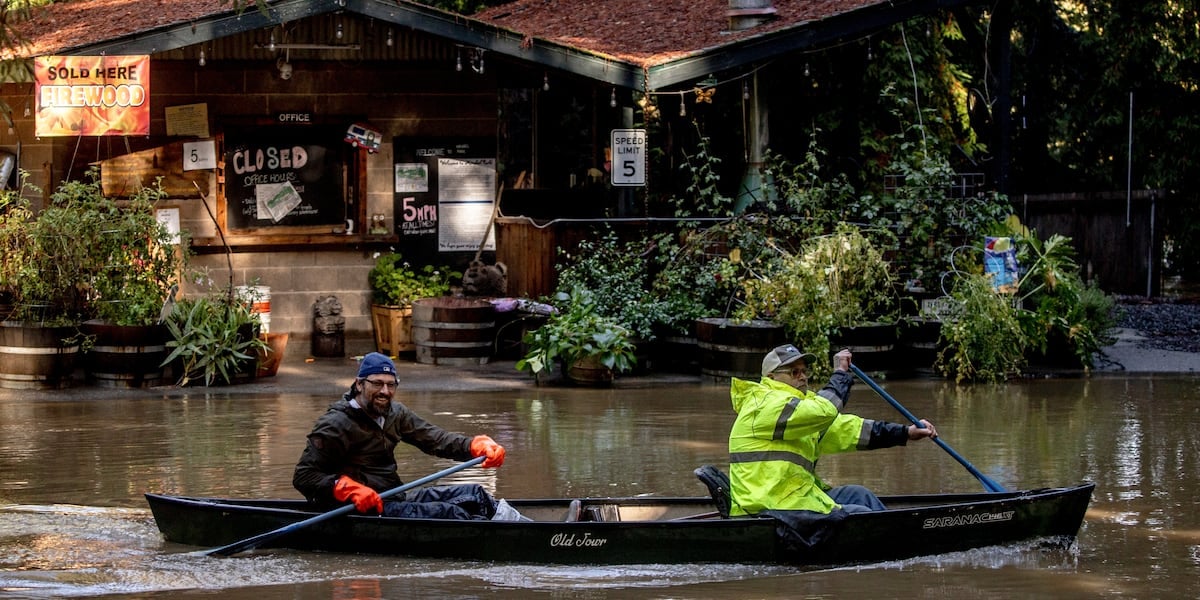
pixel 92 95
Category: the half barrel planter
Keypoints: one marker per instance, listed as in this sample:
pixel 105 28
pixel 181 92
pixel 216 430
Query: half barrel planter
pixel 125 356
pixel 731 348
pixel 872 344
pixel 451 330
pixel 35 357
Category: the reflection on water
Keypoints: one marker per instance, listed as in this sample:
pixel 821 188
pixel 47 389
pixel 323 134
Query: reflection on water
pixel 73 521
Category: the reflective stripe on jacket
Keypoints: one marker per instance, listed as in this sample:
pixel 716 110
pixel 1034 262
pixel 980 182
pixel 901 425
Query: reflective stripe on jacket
pixel 778 436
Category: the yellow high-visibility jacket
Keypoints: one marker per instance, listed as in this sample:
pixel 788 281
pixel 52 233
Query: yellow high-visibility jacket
pixel 780 433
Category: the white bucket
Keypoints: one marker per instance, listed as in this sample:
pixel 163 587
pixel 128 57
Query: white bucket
pixel 259 298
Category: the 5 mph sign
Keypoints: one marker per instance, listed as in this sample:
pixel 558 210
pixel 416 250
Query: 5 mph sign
pixel 629 157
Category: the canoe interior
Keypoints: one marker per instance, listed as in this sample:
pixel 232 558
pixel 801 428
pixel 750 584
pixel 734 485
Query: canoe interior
pixel 639 530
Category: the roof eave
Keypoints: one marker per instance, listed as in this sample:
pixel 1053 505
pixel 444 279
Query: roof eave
pixel 810 35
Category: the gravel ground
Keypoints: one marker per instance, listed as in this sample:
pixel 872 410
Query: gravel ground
pixel 1165 324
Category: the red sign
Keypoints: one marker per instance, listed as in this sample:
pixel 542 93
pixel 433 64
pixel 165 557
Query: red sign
pixel 92 95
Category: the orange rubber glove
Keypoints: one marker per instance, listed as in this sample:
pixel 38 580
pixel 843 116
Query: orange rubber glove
pixel 483 445
pixel 364 498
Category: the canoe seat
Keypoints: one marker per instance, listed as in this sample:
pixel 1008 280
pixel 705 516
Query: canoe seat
pixel 718 486
pixel 574 510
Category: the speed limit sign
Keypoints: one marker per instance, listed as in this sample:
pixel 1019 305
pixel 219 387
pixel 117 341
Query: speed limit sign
pixel 629 157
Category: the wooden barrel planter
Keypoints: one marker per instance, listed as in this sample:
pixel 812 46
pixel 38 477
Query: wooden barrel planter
pixel 872 344
pixel 33 357
pixel 128 356
pixel 453 331
pixel 729 348
pixel 919 343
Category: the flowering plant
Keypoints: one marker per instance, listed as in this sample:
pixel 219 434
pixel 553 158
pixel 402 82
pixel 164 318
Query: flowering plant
pixel 394 282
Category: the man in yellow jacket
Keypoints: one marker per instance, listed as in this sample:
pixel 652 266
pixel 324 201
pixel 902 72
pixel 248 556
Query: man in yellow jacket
pixel 782 429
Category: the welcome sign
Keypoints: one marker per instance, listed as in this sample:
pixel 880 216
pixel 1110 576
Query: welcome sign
pixel 92 95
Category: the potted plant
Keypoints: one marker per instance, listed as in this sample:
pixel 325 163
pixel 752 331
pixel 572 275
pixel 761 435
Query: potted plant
pixel 132 290
pixel 214 337
pixel 47 270
pixel 1052 318
pixel 591 348
pixel 836 290
pixel 395 285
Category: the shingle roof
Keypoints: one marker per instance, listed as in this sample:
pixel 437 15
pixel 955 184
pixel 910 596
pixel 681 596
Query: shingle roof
pixel 637 44
pixel 647 32
pixel 64 25
pixel 642 32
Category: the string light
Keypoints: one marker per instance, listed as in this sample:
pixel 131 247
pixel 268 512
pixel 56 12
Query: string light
pixel 545 82
pixel 870 55
pixel 391 41
pixel 458 61
pixel 271 42
pixel 612 99
pixel 682 106
pixel 338 33
pixel 745 91
pixel 806 69
pixel 202 61
pixel 27 111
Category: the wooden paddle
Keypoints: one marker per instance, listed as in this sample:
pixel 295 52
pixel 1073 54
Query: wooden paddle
pixel 256 541
pixel 988 484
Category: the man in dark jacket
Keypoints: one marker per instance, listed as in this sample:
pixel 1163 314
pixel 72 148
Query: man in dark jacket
pixel 350 455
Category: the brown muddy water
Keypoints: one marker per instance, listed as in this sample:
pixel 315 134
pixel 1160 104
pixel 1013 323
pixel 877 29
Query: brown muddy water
pixel 73 522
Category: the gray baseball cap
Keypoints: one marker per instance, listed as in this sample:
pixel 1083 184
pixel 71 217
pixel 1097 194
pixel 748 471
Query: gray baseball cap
pixel 782 356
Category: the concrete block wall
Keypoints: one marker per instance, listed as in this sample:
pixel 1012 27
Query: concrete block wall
pixel 296 280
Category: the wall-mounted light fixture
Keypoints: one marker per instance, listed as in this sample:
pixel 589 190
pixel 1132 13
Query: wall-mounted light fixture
pixel 285 67
pixel 474 58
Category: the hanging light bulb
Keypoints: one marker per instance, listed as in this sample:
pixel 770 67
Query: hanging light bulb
pixel 870 55
pixel 271 42
pixel 612 99
pixel 202 61
pixel 682 106
pixel 745 91
pixel 338 33
pixel 391 41
pixel 545 82
pixel 806 69
pixel 458 61
pixel 480 70
pixel 27 108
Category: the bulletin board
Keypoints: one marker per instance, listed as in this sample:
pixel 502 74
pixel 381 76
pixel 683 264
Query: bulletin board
pixel 445 192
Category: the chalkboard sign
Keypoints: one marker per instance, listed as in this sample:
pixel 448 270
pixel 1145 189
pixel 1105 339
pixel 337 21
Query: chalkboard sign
pixel 284 176
pixel 445 191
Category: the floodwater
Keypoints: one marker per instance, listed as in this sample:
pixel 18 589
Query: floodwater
pixel 73 522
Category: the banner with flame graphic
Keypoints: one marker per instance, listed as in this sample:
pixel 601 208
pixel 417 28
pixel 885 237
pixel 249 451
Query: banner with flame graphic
pixel 92 95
